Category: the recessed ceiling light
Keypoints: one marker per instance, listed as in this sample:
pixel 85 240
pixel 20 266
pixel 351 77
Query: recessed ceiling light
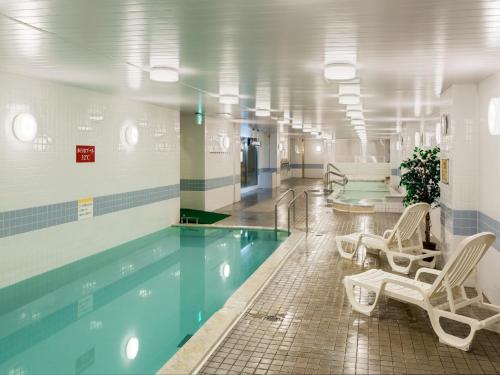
pixel 229 99
pixel 349 88
pixel 340 71
pixel 296 125
pixel 261 112
pixel 357 122
pixel 349 99
pixel 163 74
pixel 354 107
pixel 358 115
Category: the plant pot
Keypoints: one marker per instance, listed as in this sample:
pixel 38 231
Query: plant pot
pixel 429 245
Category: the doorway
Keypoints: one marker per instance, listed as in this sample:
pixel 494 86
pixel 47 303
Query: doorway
pixel 249 163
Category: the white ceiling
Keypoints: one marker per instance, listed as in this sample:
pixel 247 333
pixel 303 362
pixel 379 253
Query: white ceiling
pixel 272 52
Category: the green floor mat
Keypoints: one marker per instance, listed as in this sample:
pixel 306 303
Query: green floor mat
pixel 203 217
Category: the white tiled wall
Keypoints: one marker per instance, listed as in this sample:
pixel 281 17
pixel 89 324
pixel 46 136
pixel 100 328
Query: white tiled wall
pixel 365 171
pixel 222 164
pixel 45 172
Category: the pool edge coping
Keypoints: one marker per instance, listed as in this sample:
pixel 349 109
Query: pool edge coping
pixel 192 356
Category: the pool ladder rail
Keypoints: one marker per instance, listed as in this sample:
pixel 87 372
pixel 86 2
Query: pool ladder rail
pixel 291 204
pixel 332 170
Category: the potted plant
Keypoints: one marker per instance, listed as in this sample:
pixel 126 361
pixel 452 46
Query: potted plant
pixel 420 178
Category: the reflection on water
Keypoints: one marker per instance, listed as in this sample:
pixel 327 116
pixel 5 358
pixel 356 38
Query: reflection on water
pixel 128 309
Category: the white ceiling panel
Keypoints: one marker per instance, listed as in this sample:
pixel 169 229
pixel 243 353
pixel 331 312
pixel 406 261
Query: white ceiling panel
pixel 269 52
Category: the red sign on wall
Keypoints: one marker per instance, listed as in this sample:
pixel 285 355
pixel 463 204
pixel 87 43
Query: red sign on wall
pixel 85 154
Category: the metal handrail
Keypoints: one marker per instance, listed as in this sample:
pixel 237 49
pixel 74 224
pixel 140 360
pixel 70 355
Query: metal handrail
pixel 292 203
pixel 329 182
pixel 276 207
pixel 330 165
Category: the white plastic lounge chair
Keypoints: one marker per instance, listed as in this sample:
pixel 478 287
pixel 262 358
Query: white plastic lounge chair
pixel 449 286
pixel 402 242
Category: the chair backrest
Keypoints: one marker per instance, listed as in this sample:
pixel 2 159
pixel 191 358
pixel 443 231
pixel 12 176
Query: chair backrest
pixel 462 262
pixel 409 222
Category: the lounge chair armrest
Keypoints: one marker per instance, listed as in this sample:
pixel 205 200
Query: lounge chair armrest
pixel 403 284
pixel 428 271
pixel 387 233
pixel 370 236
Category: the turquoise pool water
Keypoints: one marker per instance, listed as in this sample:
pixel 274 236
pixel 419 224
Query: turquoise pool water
pixel 364 192
pixel 128 309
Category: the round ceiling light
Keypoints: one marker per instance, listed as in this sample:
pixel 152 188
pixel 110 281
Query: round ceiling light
pixel 132 348
pixel 340 71
pixel 163 74
pixel 494 116
pixel 261 112
pixel 229 99
pixel 25 127
pixel 349 99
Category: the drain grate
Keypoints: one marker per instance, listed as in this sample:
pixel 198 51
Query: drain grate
pixel 184 340
pixel 274 318
pixel 270 318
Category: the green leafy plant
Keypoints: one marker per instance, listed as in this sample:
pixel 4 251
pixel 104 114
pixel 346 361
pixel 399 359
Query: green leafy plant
pixel 420 178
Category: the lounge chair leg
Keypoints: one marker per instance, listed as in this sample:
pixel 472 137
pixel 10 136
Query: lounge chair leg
pixel 431 264
pixel 446 338
pixel 364 309
pixel 342 252
pixel 396 267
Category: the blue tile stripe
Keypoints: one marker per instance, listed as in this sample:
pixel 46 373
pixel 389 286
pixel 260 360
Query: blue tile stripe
pixel 307 166
pixel 469 222
pixel 208 184
pixel 35 218
pixel 395 172
pixel 268 170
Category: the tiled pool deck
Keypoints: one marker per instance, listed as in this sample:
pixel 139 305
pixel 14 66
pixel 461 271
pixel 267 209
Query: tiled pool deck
pixel 302 322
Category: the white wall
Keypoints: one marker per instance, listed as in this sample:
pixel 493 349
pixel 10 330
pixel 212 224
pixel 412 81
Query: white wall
pixel 488 186
pixel 44 172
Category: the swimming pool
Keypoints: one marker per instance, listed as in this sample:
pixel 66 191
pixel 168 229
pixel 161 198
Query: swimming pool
pixel 130 308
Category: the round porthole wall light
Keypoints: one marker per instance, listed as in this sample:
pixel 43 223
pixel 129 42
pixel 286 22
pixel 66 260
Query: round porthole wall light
pixel 494 116
pixel 25 127
pixel 130 134
pixel 225 142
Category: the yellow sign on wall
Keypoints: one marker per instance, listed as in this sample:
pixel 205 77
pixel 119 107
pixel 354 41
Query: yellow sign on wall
pixel 445 171
pixel 85 208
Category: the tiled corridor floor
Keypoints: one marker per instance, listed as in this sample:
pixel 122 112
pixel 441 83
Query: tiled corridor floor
pixel 302 322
